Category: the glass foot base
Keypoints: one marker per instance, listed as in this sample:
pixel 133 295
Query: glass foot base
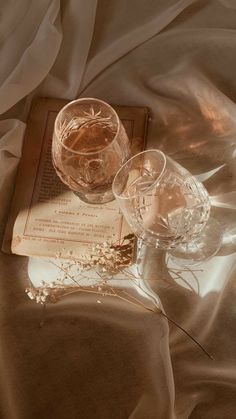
pixel 96 198
pixel 202 248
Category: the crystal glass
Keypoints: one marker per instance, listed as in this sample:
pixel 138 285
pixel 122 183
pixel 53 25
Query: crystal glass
pixel 89 146
pixel 165 205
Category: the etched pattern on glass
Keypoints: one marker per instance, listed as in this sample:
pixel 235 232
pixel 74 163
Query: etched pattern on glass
pixel 175 210
pixel 163 203
pixel 89 146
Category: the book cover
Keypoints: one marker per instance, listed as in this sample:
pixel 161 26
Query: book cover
pixel 45 215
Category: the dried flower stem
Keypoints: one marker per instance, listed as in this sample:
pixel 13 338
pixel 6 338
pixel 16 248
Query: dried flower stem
pixel 184 280
pixel 188 334
pixel 108 294
pixel 65 271
pixel 107 260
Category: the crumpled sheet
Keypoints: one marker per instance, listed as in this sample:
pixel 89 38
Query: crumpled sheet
pixel 79 359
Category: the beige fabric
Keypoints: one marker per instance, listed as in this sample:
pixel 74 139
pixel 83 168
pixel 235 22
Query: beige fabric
pixel 111 361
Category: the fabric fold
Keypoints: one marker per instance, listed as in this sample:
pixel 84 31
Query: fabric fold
pixel 36 60
pixel 63 80
pixel 131 40
pixel 12 132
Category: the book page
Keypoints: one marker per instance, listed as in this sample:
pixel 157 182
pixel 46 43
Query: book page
pixel 53 218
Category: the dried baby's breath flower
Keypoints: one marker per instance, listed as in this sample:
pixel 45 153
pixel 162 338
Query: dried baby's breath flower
pixel 38 294
pixel 106 261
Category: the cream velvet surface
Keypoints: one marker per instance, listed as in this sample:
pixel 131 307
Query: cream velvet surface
pixel 85 360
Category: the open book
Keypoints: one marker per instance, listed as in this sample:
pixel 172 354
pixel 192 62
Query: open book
pixel 45 216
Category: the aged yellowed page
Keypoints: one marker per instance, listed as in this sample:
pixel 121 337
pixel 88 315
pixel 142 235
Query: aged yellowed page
pixel 45 216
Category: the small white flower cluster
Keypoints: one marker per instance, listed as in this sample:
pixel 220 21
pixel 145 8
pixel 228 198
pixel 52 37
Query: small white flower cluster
pixel 44 293
pixel 110 258
pixel 40 295
pixel 106 260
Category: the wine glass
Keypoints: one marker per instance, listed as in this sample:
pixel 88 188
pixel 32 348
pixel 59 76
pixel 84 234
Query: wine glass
pixel 166 206
pixel 89 146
